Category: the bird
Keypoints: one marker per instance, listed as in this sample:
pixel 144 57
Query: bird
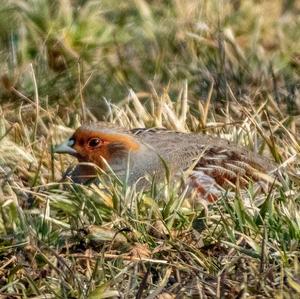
pixel 212 164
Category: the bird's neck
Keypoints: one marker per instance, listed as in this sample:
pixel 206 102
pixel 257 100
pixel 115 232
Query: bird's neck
pixel 132 165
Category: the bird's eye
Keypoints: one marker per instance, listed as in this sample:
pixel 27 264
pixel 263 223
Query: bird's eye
pixel 94 142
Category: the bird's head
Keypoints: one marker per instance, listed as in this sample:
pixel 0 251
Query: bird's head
pixel 95 142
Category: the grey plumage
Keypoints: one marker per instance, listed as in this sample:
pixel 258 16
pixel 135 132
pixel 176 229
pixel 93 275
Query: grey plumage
pixel 212 157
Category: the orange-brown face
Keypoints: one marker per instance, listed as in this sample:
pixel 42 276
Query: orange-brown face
pixel 94 146
pixel 90 147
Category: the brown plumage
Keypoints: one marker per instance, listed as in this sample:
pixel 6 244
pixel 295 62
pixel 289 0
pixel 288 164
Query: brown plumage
pixel 213 163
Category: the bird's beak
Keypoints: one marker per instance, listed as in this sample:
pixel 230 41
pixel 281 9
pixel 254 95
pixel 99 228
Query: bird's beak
pixel 65 148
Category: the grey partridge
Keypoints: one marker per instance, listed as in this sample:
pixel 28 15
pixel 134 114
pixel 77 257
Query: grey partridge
pixel 213 163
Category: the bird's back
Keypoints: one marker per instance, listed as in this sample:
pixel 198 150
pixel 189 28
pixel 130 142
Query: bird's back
pixel 215 157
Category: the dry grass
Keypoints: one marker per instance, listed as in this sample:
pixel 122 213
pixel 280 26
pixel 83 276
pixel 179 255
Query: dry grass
pixel 233 73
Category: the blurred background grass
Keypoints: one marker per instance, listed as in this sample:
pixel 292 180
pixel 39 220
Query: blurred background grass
pixel 111 46
pixel 227 68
